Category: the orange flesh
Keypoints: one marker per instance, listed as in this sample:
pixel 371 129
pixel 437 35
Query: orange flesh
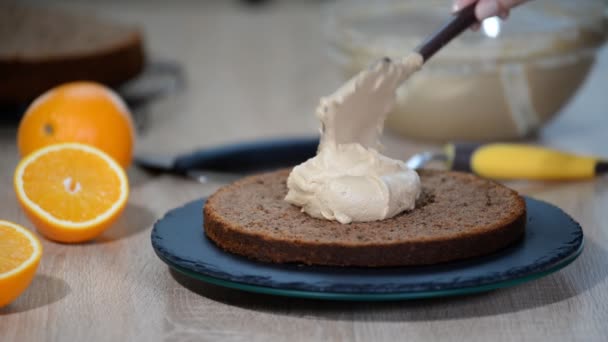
pixel 68 194
pixel 14 249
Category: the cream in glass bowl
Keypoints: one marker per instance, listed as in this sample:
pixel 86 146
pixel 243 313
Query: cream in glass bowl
pixel 502 82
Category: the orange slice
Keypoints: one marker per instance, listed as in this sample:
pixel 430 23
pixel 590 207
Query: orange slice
pixel 72 192
pixel 20 253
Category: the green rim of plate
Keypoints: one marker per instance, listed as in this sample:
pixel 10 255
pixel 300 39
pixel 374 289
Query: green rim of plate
pixel 377 296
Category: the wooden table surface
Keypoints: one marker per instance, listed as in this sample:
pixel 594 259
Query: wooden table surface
pixel 259 73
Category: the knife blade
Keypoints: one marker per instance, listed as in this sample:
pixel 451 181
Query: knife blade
pixel 229 162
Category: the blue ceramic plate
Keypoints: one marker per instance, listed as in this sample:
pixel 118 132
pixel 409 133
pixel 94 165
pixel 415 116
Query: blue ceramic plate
pixel 552 241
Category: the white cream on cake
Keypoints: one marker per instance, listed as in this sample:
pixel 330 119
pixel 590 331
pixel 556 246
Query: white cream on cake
pixel 349 180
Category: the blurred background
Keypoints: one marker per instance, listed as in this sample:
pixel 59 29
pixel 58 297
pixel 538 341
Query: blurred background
pixel 202 73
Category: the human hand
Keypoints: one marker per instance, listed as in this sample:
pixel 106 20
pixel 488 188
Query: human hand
pixel 488 8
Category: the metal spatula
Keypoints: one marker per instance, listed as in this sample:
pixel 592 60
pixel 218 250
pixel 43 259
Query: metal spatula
pixel 512 161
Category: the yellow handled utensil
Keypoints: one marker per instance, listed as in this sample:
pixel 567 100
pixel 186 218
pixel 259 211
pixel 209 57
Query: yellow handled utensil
pixel 513 161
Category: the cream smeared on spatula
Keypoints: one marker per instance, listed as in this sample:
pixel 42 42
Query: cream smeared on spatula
pixel 349 180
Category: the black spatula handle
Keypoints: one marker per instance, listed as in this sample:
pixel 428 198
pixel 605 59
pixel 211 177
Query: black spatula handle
pixel 461 21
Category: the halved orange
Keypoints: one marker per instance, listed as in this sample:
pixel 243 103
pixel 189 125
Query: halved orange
pixel 20 253
pixel 72 192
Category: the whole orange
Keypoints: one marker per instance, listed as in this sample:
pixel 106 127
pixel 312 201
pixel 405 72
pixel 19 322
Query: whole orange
pixel 83 112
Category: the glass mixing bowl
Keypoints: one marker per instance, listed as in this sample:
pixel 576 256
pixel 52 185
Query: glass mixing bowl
pixel 503 82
